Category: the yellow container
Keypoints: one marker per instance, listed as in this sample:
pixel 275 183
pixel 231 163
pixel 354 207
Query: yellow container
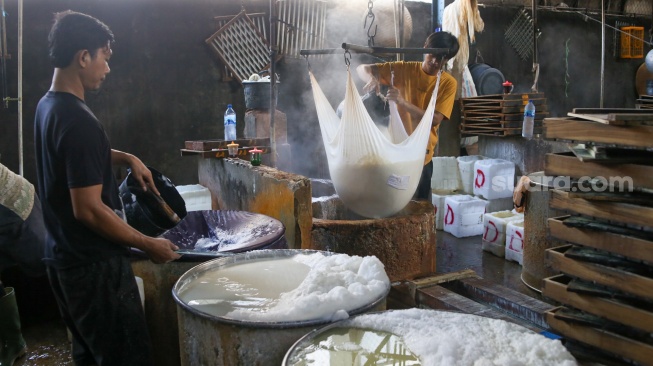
pixel 632 47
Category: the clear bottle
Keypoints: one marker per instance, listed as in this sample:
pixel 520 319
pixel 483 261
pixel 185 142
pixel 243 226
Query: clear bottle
pixel 229 123
pixel 529 120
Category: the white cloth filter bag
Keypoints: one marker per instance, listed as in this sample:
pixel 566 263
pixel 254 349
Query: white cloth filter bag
pixel 374 176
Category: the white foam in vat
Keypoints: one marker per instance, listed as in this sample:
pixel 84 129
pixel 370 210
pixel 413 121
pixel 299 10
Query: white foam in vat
pixel 494 178
pixel 494 230
pixel 299 288
pixel 515 241
pixel 463 215
pixel 452 339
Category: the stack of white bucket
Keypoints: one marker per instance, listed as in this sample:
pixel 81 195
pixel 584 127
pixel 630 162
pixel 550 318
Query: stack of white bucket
pixel 495 225
pixel 476 199
pixel 515 241
pixel 494 180
pixel 445 182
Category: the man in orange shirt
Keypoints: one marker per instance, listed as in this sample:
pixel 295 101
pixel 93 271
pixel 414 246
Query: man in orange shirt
pixel 412 87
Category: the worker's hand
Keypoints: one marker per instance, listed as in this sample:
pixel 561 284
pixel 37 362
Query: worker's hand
pixel 395 96
pixel 372 85
pixel 162 250
pixel 142 175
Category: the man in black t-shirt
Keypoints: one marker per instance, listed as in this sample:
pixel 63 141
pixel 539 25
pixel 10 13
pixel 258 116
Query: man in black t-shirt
pixel 86 249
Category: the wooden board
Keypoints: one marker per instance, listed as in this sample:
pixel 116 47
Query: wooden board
pixel 616 278
pixel 628 246
pixel 497 132
pixel 556 288
pixel 618 212
pixel 208 145
pixel 615 118
pixel 585 131
pixel 511 96
pixel 440 298
pixel 566 164
pixel 611 342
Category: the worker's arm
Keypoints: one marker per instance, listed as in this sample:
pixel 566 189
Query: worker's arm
pixel 89 209
pixel 138 170
pixel 369 74
pixel 416 112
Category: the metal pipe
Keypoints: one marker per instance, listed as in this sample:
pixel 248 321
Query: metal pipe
pixel 437 8
pixel 273 82
pixel 373 50
pixel 326 51
pixel 602 51
pixel 20 88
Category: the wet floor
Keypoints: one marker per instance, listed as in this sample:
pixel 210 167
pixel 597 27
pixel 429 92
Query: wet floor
pixel 48 343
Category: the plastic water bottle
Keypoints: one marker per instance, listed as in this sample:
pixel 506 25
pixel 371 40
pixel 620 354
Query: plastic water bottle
pixel 229 123
pixel 529 120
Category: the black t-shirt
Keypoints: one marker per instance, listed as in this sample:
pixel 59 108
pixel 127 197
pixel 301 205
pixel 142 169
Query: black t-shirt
pixel 72 151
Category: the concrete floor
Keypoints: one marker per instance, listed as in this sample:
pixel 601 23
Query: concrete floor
pixel 46 334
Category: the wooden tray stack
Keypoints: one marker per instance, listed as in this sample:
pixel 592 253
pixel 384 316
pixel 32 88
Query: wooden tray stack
pixel 606 285
pixel 645 102
pixel 500 114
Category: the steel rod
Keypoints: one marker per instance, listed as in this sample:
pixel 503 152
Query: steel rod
pixel 326 51
pixel 373 50
pixel 21 163
pixel 273 82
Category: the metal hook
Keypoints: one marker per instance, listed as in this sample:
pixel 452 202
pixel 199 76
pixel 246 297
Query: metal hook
pixel 347 62
pixel 370 36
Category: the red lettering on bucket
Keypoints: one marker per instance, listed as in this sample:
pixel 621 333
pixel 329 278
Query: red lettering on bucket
pixel 481 175
pixel 448 219
pixel 496 232
pixel 512 237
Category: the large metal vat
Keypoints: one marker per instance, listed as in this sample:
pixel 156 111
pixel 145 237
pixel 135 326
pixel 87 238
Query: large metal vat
pixel 405 242
pixel 159 279
pixel 207 339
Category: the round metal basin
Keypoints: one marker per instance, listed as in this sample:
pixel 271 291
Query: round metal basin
pixel 209 339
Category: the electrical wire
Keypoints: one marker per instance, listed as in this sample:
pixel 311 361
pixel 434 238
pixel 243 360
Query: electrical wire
pixel 567 78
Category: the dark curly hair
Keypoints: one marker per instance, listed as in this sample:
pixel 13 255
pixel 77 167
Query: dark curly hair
pixel 72 32
pixel 443 40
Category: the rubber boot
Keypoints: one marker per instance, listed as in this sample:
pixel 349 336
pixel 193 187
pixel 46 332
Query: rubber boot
pixel 12 344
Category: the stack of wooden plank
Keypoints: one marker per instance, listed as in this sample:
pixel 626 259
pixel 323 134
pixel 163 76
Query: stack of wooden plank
pixel 606 285
pixel 500 114
pixel 645 102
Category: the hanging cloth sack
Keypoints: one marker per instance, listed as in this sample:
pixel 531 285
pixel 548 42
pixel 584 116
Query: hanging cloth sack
pixel 374 176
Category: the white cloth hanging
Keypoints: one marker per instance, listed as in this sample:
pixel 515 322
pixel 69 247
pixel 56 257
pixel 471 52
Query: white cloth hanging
pixel 374 176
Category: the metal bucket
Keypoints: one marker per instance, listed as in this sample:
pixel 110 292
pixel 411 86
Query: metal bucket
pixel 257 94
pixel 536 241
pixel 487 79
pixel 159 279
pixel 143 212
pixel 207 339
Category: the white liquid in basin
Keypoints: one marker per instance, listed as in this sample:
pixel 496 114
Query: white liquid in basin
pixel 254 286
pixel 289 289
